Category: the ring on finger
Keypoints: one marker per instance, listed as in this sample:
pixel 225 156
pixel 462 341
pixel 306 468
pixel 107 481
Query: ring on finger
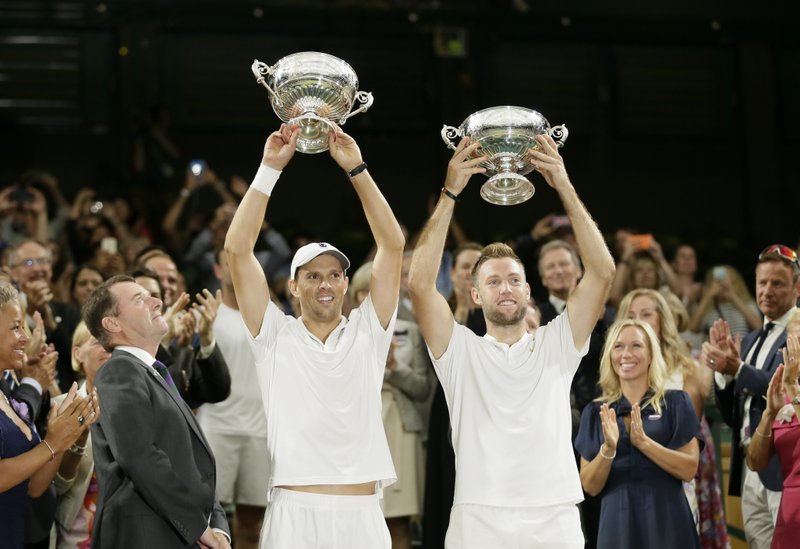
pixel 81 419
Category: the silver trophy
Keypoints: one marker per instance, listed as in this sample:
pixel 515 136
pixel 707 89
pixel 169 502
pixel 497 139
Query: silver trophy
pixel 312 90
pixel 505 134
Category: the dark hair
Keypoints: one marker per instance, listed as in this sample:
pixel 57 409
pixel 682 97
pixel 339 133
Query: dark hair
pixel 74 278
pixel 100 304
pixel 148 273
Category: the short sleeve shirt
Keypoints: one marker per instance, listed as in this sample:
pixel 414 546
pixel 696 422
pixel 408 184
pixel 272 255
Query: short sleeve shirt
pixel 322 401
pixel 510 415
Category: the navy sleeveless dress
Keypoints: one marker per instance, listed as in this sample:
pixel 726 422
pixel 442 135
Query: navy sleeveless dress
pixel 643 506
pixel 13 502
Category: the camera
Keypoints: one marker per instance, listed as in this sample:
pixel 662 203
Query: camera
pixel 21 195
pixel 719 273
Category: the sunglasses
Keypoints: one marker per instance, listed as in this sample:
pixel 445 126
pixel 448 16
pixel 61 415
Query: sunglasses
pixel 780 251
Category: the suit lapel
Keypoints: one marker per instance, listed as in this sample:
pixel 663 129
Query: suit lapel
pixel 187 413
pixel 747 343
pixel 775 354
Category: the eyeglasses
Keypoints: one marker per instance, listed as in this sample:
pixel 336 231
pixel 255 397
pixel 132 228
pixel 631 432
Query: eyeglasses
pixel 40 261
pixel 780 251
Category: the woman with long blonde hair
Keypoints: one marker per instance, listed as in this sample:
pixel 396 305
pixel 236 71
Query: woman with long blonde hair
pixel 684 373
pixel 638 441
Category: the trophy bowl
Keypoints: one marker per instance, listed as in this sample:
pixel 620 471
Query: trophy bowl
pixel 312 90
pixel 505 135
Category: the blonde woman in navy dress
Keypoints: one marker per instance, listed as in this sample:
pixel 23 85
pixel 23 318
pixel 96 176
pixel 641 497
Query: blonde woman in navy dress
pixel 638 442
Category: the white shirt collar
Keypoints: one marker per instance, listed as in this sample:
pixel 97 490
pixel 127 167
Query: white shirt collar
pixel 557 302
pixel 141 354
pixel 781 322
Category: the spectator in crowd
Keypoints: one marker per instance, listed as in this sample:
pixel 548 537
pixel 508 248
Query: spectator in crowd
pixel 76 482
pixel 30 266
pixel 201 375
pixel 28 463
pixel 742 373
pixel 236 427
pixel 684 373
pixel 777 435
pixel 406 382
pixel 533 317
pixel 638 442
pixel 726 297
pixel 82 283
pixel 684 264
pixel 642 265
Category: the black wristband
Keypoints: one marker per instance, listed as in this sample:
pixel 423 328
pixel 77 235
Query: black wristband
pixel 357 170
pixel 448 194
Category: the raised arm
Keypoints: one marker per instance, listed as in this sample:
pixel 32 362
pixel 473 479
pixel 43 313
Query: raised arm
pixel 247 276
pixel 586 302
pixel 431 310
pixel 384 287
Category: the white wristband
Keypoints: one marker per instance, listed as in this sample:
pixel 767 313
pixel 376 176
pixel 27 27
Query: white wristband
pixel 265 179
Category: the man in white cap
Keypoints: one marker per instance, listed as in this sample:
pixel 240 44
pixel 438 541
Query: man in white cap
pixel 321 374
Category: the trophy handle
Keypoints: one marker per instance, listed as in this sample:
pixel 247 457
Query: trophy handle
pixel 260 70
pixel 449 133
pixel 559 134
pixel 361 97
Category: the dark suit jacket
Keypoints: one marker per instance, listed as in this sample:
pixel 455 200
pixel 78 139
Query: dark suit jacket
pixel 750 382
pixel 199 380
pixel 24 393
pixel 154 467
pixel 584 384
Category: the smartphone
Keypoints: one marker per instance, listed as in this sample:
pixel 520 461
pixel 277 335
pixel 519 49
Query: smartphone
pixel 197 167
pixel 719 273
pixel 109 245
pixel 560 221
pixel 641 241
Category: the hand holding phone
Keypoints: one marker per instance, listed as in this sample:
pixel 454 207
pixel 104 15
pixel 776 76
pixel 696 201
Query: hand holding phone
pixel 641 242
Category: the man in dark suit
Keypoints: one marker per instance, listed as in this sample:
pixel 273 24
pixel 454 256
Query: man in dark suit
pixel 741 380
pixel 155 470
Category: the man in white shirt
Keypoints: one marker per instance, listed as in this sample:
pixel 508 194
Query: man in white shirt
pixel 236 427
pixel 321 374
pixel 741 380
pixel 517 483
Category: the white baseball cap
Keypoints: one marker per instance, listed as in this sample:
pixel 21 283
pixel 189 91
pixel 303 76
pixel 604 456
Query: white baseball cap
pixel 314 250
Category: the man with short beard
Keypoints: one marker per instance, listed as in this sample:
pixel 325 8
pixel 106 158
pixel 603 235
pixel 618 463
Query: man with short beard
pixel 517 483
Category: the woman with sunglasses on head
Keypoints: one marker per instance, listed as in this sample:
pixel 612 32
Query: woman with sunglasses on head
pixel 27 462
pixel 638 441
pixel 779 433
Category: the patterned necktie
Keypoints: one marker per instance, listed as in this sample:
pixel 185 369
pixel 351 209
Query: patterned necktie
pixel 164 372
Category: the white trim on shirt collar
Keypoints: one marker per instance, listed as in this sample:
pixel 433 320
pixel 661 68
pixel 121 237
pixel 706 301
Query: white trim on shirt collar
pixel 558 303
pixel 141 354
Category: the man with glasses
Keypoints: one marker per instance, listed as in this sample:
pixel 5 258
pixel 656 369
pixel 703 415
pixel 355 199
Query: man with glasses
pixel 31 267
pixel 741 385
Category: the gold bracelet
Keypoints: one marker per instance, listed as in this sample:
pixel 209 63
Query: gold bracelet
pixel 763 436
pixel 52 453
pixel 605 456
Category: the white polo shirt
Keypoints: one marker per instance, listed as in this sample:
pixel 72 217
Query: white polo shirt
pixel 510 415
pixel 323 400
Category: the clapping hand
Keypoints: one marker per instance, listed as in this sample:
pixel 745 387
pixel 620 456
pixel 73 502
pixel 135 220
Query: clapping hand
pixel 791 361
pixel 775 393
pixel 206 307
pixel 608 418
pixel 638 437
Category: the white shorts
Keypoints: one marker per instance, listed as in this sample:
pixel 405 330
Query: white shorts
pixel 242 468
pixel 299 520
pixel 489 527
